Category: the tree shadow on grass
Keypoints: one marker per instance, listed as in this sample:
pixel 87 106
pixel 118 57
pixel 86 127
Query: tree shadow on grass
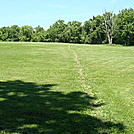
pixel 29 108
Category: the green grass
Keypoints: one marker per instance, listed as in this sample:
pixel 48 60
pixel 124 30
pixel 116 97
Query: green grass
pixel 55 88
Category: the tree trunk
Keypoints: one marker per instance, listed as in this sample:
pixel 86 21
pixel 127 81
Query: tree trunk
pixel 110 38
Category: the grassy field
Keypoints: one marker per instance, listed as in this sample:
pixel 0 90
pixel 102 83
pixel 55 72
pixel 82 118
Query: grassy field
pixel 53 88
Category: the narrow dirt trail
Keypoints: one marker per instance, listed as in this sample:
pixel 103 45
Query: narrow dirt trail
pixel 85 86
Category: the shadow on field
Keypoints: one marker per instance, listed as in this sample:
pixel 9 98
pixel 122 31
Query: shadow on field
pixel 29 108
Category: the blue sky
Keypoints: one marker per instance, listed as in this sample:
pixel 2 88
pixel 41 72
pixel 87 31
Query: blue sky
pixel 46 12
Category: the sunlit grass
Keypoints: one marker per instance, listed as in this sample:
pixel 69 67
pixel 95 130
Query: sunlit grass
pixel 41 89
pixel 110 72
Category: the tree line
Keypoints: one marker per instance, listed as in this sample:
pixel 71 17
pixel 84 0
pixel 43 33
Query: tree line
pixel 107 28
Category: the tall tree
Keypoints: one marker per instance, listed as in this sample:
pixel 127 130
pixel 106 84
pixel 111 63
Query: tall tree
pixel 110 25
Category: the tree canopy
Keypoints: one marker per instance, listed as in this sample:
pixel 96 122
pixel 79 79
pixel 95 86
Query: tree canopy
pixel 107 28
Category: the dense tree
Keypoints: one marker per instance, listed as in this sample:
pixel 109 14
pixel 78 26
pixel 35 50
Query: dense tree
pixel 54 33
pixel 107 28
pixel 38 34
pixel 14 33
pixel 126 27
pixel 72 32
pixel 26 33
pixel 86 32
pixel 4 33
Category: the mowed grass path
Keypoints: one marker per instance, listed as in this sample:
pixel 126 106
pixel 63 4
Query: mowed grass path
pixel 66 89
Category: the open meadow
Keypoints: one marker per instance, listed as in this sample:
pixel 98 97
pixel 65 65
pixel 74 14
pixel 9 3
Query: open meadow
pixel 57 88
